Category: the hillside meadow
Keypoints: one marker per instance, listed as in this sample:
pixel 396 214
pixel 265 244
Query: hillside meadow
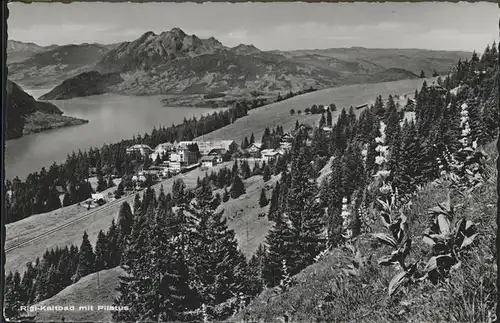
pixel 278 113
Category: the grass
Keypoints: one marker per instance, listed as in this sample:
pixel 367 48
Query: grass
pixel 95 289
pixel 32 226
pixel 278 113
pixel 322 293
pixel 242 214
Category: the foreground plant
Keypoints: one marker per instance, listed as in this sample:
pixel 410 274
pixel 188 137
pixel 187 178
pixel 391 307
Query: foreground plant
pixel 448 244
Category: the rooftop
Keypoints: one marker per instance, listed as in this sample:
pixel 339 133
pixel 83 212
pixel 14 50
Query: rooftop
pixel 208 158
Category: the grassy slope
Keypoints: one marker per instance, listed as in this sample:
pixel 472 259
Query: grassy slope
pixel 278 113
pixel 322 293
pixel 34 225
pixel 95 289
pixel 242 214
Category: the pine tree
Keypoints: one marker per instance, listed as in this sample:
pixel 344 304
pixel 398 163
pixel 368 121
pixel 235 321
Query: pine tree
pixel 101 183
pixel 263 199
pixel 329 119
pixel 178 192
pixel 13 296
pixel 266 173
pixel 137 204
pixel 86 258
pixel 116 246
pixel 422 74
pixel 120 191
pixel 218 267
pixel 280 240
pixel 256 271
pixel 27 283
pixel 237 188
pixel 156 287
pixel 273 206
pixel 53 202
pixel 125 220
pixel 100 252
pixel 244 143
pixel 110 182
pixel 252 139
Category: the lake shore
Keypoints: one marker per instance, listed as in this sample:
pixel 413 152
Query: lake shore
pixel 39 121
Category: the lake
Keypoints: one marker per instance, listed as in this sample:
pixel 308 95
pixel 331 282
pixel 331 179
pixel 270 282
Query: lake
pixel 112 117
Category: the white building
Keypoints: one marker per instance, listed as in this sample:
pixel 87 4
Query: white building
pixel 175 166
pixel 208 161
pixel 269 155
pixel 162 149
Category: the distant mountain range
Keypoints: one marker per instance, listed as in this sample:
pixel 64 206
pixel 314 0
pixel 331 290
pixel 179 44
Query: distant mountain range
pixel 176 63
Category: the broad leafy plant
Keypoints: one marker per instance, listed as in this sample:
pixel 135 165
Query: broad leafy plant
pixel 447 242
pixel 400 242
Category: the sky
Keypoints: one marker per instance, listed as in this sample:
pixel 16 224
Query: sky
pixel 283 26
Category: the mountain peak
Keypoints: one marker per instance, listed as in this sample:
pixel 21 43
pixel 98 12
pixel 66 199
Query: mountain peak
pixel 245 49
pixel 177 31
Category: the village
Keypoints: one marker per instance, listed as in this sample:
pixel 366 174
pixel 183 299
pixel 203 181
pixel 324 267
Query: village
pixel 169 159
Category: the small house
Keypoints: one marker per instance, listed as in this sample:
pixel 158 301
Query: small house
pixel 254 149
pixel 220 153
pixel 98 199
pixel 269 155
pixel 208 161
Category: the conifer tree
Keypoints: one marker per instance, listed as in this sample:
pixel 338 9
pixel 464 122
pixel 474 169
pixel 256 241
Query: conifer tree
pixel 125 220
pixel 244 143
pixel 178 192
pixel 256 271
pixel 218 267
pixel 120 191
pixel 266 173
pixel 101 183
pixel 329 119
pixel 246 172
pixel 110 182
pixel 156 287
pixel 280 241
pixel 86 258
pixel 27 283
pixel 42 281
pixel 252 139
pixel 237 188
pixel 273 206
pixel 13 296
pixel 116 246
pixel 101 252
pixel 263 199
pixel 137 204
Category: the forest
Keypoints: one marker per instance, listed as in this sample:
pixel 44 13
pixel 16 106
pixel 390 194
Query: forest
pixel 182 263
